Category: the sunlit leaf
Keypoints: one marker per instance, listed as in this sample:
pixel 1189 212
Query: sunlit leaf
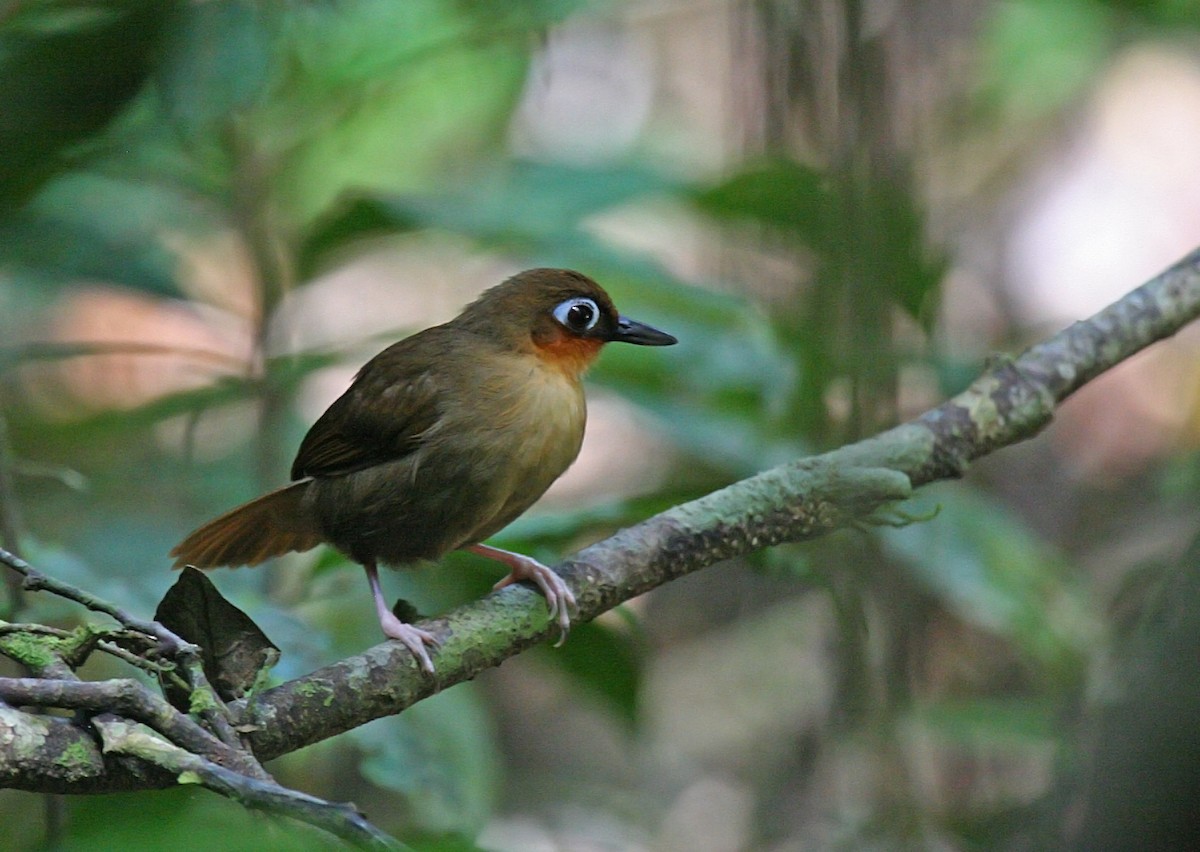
pixel 383 95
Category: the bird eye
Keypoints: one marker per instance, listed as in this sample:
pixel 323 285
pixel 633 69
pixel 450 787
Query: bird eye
pixel 578 314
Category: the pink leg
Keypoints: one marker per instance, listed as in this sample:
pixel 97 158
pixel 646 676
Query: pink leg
pixel 558 597
pixel 414 638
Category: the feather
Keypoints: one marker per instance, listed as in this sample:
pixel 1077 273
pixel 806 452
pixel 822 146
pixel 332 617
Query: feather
pixel 276 523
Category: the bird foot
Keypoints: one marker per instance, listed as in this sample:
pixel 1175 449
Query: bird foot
pixel 559 598
pixel 414 638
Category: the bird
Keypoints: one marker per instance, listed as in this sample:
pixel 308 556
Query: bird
pixel 441 441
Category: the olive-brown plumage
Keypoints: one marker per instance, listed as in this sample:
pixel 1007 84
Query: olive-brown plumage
pixel 441 441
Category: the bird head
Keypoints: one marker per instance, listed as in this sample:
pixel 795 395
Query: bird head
pixel 560 315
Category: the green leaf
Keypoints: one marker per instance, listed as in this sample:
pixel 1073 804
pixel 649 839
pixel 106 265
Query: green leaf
pixel 71 567
pixel 883 221
pixel 183 818
pixel 355 218
pixel 717 394
pixel 66 69
pixel 385 96
pixel 441 843
pixel 523 206
pixel 606 662
pixel 781 193
pixel 901 266
pixel 218 63
pixel 87 225
pixel 440 754
pixel 1175 14
pixel 1017 721
pixel 991 570
pixel 1041 53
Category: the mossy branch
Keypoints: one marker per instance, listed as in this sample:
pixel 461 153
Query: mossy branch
pixel 1010 402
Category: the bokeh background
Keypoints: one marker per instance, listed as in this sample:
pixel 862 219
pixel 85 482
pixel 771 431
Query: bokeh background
pixel 211 213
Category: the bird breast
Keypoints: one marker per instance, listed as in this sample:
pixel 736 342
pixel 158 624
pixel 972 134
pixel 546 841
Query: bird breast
pixel 538 414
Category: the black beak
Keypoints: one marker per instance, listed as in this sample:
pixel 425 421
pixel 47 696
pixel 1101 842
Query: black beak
pixel 632 331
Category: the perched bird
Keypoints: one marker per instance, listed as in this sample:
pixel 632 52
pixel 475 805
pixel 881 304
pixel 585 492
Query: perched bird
pixel 441 441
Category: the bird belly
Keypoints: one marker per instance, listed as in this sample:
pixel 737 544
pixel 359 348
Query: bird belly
pixel 377 514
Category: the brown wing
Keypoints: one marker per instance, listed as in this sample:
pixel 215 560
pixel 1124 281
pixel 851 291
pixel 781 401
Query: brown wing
pixel 383 415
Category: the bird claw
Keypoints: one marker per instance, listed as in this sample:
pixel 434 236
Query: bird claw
pixel 559 598
pixel 414 638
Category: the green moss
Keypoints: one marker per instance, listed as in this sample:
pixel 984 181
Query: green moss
pixel 200 701
pixel 77 759
pixel 312 689
pixel 32 650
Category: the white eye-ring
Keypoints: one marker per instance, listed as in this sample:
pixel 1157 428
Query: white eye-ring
pixel 579 314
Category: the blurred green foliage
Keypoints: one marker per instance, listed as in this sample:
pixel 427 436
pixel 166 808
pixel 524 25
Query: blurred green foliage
pixel 312 129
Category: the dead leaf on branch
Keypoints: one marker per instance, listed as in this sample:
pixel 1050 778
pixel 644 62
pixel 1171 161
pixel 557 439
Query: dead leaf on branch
pixel 234 651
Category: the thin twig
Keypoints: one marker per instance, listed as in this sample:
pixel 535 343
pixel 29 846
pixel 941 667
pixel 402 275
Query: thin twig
pixel 37 581
pixel 150 666
pixel 342 820
pixel 106 646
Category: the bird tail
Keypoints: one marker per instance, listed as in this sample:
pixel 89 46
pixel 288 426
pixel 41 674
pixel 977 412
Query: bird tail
pixel 271 525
